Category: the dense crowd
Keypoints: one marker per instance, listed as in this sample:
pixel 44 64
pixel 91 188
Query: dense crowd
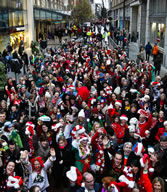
pixel 84 118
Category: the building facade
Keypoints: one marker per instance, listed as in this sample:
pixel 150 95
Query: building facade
pixel 120 13
pixel 146 19
pixel 25 19
pixel 13 22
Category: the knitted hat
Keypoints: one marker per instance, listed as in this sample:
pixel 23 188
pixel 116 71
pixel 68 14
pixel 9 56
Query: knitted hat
pixel 138 149
pixel 81 113
pixel 15 182
pixel 74 175
pixel 118 102
pixel 124 117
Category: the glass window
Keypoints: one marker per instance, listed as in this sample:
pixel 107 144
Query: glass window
pixel 42 15
pixel 48 15
pixel 54 16
pixel 37 14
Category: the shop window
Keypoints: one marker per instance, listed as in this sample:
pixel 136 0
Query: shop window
pixel 42 15
pixel 37 14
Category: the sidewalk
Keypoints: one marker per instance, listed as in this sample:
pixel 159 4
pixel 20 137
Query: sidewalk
pixel 133 52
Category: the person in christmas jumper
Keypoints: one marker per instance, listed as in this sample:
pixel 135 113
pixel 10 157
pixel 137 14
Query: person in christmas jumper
pixel 9 170
pixel 143 123
pixel 83 153
pixel 97 144
pixel 38 170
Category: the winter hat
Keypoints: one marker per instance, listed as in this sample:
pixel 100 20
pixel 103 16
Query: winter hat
pixel 138 149
pixel 83 137
pixel 144 159
pixel 74 109
pixel 146 97
pixel 127 177
pixel 165 123
pixel 118 102
pixel 71 87
pixel 30 130
pixel 131 128
pixel 44 118
pixel 74 175
pixel 133 121
pixel 8 124
pixel 124 117
pixel 115 187
pixel 108 90
pixel 151 150
pixel 81 113
pixel 77 130
pixel 117 90
pixel 155 83
pixel 30 124
pixel 143 113
pixel 15 182
pixel 55 127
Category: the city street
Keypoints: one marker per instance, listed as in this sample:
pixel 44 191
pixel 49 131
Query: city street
pixel 83 96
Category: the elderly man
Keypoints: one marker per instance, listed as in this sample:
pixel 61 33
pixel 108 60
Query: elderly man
pixel 128 154
pixel 88 184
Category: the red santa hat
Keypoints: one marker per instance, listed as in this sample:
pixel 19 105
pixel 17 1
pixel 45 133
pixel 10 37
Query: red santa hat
pixel 127 177
pixel 83 137
pixel 143 113
pixel 145 159
pixel 108 51
pixel 115 187
pixel 56 126
pixel 71 87
pixel 77 130
pixel 74 175
pixel 30 124
pixel 118 102
pixel 124 117
pixel 15 182
pixel 29 131
pixel 139 149
pixel 155 83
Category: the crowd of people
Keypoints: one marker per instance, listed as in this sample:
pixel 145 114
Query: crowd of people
pixel 84 118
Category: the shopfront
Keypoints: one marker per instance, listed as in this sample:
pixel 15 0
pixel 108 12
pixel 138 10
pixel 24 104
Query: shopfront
pixel 13 22
pixel 158 33
pixel 47 21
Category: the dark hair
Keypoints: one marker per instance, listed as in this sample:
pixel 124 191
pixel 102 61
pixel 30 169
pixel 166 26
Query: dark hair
pixel 43 138
pixel 12 142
